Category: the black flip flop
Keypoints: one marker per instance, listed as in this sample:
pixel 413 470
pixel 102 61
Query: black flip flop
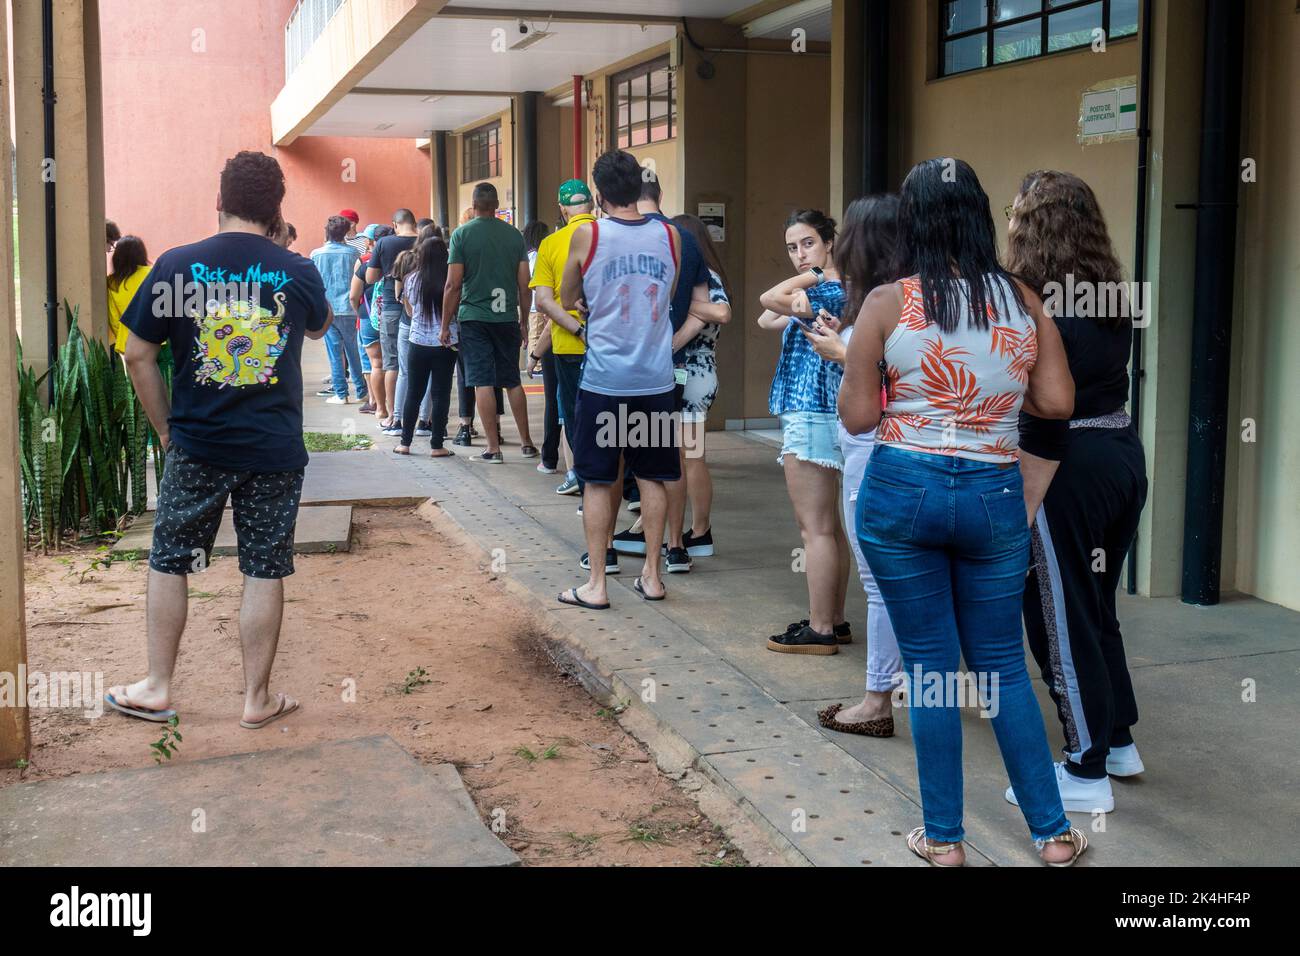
pixel 143 713
pixel 636 586
pixel 571 598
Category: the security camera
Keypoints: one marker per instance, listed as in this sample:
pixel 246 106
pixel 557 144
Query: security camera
pixel 523 27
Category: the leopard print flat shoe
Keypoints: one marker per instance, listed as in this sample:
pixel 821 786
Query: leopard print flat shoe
pixel 880 727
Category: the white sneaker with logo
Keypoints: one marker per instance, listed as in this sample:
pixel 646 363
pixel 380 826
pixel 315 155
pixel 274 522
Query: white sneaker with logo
pixel 1081 796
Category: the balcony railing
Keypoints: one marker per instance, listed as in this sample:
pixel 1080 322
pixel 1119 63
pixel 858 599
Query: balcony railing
pixel 306 23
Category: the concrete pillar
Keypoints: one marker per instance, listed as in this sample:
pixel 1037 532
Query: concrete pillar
pixel 78 170
pixel 526 157
pixel 846 104
pixel 1177 42
pixel 15 734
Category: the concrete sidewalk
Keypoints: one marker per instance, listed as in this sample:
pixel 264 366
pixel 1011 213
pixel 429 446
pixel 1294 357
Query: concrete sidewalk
pixel 1216 686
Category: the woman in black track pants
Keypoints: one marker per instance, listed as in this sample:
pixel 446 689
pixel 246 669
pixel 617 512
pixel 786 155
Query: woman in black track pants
pixel 1089 475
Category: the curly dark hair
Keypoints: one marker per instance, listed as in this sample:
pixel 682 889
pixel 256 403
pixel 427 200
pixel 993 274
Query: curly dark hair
pixel 252 188
pixel 1058 230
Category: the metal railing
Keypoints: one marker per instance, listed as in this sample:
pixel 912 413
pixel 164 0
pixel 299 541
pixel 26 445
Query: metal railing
pixel 306 24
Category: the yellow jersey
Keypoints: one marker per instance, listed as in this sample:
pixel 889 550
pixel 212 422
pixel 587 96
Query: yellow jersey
pixel 552 254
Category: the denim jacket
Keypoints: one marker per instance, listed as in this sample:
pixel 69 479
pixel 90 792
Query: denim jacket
pixel 336 262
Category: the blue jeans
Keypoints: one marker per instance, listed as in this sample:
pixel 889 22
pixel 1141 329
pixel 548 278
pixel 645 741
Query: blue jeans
pixel 947 539
pixel 340 340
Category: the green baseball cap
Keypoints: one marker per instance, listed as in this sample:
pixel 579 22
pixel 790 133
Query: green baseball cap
pixel 574 192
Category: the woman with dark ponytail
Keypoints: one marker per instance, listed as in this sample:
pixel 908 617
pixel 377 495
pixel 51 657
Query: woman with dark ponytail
pixel 941 514
pixel 430 364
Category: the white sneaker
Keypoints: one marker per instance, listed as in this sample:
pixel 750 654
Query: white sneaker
pixel 1124 761
pixel 1081 796
pixel 336 400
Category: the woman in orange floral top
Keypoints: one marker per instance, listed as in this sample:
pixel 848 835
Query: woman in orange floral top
pixel 966 346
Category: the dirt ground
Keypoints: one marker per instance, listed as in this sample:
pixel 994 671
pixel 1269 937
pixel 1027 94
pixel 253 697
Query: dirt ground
pixel 575 787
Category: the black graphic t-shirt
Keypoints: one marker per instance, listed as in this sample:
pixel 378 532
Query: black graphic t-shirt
pixel 384 257
pixel 234 308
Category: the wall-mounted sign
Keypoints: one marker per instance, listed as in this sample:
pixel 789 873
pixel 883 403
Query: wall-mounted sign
pixel 1108 112
pixel 714 217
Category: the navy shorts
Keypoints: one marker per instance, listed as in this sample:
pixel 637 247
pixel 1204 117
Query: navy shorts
pixel 644 430
pixel 491 353
pixel 192 500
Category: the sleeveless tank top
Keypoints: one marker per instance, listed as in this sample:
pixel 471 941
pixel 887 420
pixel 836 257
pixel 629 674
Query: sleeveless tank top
pixel 958 393
pixel 628 284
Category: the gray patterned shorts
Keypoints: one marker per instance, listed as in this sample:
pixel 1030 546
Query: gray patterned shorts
pixel 190 505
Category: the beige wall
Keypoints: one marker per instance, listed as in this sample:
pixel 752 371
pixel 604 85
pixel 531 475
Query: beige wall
pixel 788 145
pixel 1008 120
pixel 462 193
pixel 1263 514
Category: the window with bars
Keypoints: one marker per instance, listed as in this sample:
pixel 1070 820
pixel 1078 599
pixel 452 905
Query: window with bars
pixel 974 34
pixel 645 103
pixel 481 153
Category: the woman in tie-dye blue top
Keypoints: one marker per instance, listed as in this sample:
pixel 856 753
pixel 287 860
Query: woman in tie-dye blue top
pixel 804 381
pixel 804 393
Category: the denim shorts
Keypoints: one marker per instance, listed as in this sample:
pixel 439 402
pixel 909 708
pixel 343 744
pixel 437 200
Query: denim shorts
pixel 388 329
pixel 812 437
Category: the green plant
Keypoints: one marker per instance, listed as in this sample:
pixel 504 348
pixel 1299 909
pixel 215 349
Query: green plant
pixel 82 454
pixel 165 745
pixel 551 752
pixel 333 441
pixel 525 753
pixel 416 678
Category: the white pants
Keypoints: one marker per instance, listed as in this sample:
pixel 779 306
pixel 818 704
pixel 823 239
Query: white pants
pixel 884 665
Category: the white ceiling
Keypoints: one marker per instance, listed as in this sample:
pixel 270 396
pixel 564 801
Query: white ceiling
pixel 359 114
pixel 456 54
pixel 817 24
pixel 448 54
pixel 654 8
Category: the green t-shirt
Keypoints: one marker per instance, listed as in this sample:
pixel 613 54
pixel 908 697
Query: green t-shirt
pixel 490 250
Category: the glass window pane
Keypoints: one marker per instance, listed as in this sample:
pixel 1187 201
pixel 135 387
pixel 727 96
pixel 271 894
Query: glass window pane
pixel 963 15
pixel 640 110
pixel 1010 9
pixel 1123 18
pixel 964 54
pixel 623 141
pixel 1017 42
pixel 658 106
pixel 1073 27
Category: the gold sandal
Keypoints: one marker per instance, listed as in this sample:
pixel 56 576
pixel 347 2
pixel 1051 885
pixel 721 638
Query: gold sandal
pixel 918 844
pixel 1074 836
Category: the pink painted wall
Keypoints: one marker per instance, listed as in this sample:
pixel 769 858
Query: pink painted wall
pixel 178 102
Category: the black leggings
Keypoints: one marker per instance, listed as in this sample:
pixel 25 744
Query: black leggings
pixel 423 362
pixel 1079 540
pixel 551 436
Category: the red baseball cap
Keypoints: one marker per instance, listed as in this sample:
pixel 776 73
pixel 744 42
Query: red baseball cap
pixel 350 214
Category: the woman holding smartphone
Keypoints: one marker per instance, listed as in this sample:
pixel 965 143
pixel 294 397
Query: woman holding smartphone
pixel 804 392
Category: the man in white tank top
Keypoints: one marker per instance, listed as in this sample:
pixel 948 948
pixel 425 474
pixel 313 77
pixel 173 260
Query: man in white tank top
pixel 622 272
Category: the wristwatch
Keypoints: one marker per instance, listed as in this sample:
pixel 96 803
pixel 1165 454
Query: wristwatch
pixel 535 358
pixel 821 275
